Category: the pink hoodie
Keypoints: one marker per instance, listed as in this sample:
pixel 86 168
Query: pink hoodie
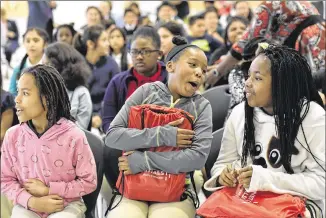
pixel 61 158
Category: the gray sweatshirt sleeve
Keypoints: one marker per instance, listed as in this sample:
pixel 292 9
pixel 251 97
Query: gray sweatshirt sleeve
pixel 81 107
pixel 119 136
pixel 185 160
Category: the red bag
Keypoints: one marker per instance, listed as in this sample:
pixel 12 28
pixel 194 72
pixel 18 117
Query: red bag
pixel 154 186
pixel 237 203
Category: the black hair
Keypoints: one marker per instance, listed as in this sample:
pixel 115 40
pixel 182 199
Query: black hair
pixel 97 9
pixel 232 20
pixel 250 15
pixel 92 33
pixel 142 18
pixel 124 51
pixel 51 86
pixel 181 45
pixel 68 26
pixel 211 9
pixel 134 4
pixel 292 91
pixel 148 32
pixel 209 2
pixel 175 28
pixel 129 10
pixel 166 3
pixel 43 34
pixel 194 18
pixel 108 23
pixel 69 63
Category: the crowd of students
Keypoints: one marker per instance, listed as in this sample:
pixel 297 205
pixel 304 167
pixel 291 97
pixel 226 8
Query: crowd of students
pixel 274 137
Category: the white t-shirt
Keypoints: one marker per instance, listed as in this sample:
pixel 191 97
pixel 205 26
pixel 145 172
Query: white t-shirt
pixel 308 179
pixel 117 59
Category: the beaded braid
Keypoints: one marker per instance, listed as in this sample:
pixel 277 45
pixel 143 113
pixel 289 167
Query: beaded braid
pixel 292 90
pixel 51 85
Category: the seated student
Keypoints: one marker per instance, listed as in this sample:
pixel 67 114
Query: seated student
pixel 93 44
pixel 242 9
pixel 47 164
pixel 73 67
pixel 199 37
pixel 65 33
pixel 237 76
pixel 93 17
pixel 166 32
pixel 275 140
pixel 118 48
pixel 212 23
pixel 130 25
pixel 106 10
pixel 233 32
pixel 145 53
pixel 187 65
pixel 167 12
pixel 35 41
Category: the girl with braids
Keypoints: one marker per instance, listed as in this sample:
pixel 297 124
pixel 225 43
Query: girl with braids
pixel 35 41
pixel 275 140
pixel 47 164
pixel 93 44
pixel 237 75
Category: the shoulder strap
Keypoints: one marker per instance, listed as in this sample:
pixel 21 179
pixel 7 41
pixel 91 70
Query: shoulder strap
pixel 309 21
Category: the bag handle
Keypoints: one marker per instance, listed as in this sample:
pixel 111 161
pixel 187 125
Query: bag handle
pixel 309 21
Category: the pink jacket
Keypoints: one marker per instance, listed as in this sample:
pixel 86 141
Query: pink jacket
pixel 61 158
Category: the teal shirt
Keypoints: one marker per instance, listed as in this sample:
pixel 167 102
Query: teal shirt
pixel 13 80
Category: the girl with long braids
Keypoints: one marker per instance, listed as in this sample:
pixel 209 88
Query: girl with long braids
pixel 275 140
pixel 46 162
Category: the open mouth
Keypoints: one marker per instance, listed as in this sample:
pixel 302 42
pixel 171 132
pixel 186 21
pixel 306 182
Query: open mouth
pixel 194 84
pixel 248 93
pixel 18 111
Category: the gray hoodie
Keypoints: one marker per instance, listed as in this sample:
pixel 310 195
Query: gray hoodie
pixel 81 106
pixel 183 161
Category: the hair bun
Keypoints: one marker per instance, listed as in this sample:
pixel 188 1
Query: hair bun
pixel 179 40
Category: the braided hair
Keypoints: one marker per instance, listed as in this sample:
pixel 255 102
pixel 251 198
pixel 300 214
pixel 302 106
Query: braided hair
pixel 51 86
pixel 292 90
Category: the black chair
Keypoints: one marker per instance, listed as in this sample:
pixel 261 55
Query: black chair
pixel 215 150
pixel 213 154
pixel 97 146
pixel 219 97
pixel 111 170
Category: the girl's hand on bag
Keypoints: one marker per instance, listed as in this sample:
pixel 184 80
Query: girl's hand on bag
pixel 228 177
pixel 123 163
pixel 245 175
pixel 184 136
